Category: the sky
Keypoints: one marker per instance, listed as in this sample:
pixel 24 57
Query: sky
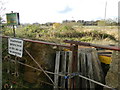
pixel 42 11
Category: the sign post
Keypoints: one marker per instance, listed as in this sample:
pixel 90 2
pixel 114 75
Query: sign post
pixel 13 19
pixel 15 46
pixel 14 31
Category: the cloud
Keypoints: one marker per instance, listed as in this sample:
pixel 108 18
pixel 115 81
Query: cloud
pixel 65 10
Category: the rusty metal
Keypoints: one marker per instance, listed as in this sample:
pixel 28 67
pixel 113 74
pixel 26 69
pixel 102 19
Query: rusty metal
pixel 62 75
pixel 41 42
pixel 39 66
pixel 47 43
pixel 74 65
pixel 92 45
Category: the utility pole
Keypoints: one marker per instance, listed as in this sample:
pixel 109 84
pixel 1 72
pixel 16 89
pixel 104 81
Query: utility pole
pixel 104 22
pixel 105 14
pixel 105 10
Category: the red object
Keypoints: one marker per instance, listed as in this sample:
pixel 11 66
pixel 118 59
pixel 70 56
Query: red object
pixel 92 45
pixel 40 42
pixel 71 42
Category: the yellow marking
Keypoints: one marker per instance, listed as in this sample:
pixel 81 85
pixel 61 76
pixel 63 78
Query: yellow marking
pixel 105 59
pixel 66 49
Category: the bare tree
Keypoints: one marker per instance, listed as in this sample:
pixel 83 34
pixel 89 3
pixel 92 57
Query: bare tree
pixel 2 11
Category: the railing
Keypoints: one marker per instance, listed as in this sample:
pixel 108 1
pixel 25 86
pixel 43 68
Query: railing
pixel 92 45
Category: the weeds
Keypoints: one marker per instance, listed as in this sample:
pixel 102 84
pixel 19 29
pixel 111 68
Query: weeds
pixel 65 31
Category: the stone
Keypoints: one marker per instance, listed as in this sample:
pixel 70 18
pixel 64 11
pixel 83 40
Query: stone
pixel 112 77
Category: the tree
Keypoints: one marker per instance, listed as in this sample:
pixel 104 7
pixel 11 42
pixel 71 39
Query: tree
pixel 2 9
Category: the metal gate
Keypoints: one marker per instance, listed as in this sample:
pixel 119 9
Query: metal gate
pixel 73 68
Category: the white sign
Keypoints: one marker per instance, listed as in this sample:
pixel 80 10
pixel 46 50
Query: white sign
pixel 15 47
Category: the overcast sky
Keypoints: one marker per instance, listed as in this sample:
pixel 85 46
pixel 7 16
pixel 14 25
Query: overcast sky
pixel 43 11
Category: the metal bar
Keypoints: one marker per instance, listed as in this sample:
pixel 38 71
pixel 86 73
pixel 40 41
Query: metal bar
pixel 37 68
pixel 92 45
pixel 40 67
pixel 40 42
pixel 96 82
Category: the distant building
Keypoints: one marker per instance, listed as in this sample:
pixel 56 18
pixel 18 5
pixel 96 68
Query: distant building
pixel 87 23
pixel 80 21
pixel 68 21
pixel 36 23
pixel 49 24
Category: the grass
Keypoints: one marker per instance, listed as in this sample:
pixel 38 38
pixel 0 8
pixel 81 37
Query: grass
pixel 67 31
pixel 91 34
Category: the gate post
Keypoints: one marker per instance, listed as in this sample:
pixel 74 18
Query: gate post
pixel 74 66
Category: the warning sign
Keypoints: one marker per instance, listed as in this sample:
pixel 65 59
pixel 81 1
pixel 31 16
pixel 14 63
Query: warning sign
pixel 15 47
pixel 13 19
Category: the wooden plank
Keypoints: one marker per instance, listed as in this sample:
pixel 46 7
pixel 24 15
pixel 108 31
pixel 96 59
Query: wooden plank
pixel 98 73
pixel 57 63
pixel 97 70
pixel 90 71
pixel 63 68
pixel 80 65
pixel 69 68
pixel 82 81
pixel 83 70
pixel 78 70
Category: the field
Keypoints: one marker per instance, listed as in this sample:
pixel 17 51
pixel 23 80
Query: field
pixel 69 31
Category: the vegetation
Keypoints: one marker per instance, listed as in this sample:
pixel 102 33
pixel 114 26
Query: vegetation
pixel 64 31
pixel 56 33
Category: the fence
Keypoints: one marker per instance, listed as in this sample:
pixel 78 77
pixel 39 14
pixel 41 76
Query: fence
pixel 70 66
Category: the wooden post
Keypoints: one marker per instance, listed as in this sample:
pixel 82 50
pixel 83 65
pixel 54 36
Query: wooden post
pixel 63 68
pixel 57 63
pixel 78 70
pixel 14 31
pixel 90 70
pixel 13 28
pixel 69 69
pixel 83 70
pixel 74 65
